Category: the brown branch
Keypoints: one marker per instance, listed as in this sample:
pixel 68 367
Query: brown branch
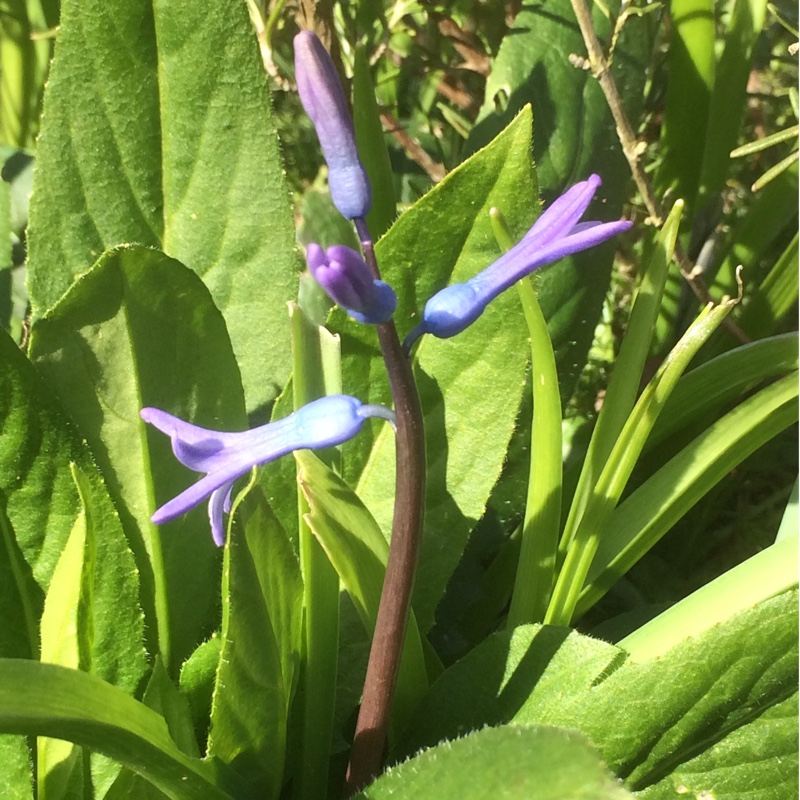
pixel 632 148
pixel 413 148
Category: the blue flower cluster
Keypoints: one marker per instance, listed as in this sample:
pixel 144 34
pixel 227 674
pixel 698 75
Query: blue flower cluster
pixel 348 280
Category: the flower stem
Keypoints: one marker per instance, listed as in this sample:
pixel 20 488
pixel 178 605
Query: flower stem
pixel 366 755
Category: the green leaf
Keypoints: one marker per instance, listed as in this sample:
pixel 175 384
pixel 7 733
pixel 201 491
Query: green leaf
pixel 91 621
pixel 197 683
pixel 505 763
pixel 691 63
pixel 537 665
pixel 372 147
pixel 626 377
pixel 250 706
pixel 195 172
pixel 540 527
pixel 533 66
pixel 20 598
pixel 756 760
pixel 316 372
pixel 139 329
pixel 573 136
pixel 650 511
pixel 478 377
pixel 760 577
pixel 164 698
pixel 16 778
pixel 358 551
pixel 717 382
pixel 47 700
pixel 775 296
pixel 38 451
pixel 706 697
pixel 772 211
pixel 730 93
pixel 609 485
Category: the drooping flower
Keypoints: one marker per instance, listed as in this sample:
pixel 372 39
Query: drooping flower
pixel 323 99
pixel 557 233
pixel 347 280
pixel 224 457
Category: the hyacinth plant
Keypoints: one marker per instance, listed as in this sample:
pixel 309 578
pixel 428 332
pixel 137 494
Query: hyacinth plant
pixel 247 555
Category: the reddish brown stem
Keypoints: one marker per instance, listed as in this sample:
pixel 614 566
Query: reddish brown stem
pixel 366 755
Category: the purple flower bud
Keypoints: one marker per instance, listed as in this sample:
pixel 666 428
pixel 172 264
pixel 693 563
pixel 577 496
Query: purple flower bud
pixel 224 457
pixel 557 233
pixel 347 280
pixel 323 99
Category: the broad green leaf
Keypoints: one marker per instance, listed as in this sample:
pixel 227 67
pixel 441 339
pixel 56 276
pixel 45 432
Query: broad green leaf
pixel 164 698
pixel 48 700
pixel 696 696
pixel 506 763
pixel 573 136
pixel 533 66
pixel 707 696
pixel 139 329
pixel 757 760
pixel 537 665
pixel 20 598
pixel 249 711
pixel 477 377
pixel 358 551
pixel 16 778
pixel 42 503
pixel 195 171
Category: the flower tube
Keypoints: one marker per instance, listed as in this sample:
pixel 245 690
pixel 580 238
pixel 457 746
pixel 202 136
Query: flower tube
pixel 225 457
pixel 557 233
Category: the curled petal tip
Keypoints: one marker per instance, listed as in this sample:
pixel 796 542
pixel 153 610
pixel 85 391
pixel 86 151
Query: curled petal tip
pixel 348 281
pixel 557 233
pixel 225 457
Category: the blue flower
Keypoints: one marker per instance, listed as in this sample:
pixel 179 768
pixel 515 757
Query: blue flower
pixel 556 234
pixel 323 99
pixel 224 457
pixel 347 280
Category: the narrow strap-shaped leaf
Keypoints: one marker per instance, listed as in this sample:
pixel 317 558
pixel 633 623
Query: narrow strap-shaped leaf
pixel 644 517
pixel 628 367
pixel 358 550
pixel 47 700
pixel 611 482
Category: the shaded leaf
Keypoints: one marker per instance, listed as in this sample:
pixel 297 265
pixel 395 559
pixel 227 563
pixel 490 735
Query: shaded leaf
pixel 139 329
